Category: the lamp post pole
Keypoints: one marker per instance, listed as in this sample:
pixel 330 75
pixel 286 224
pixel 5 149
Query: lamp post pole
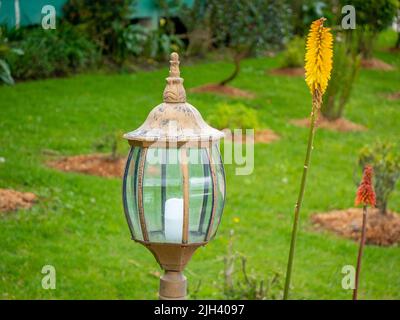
pixel 173 286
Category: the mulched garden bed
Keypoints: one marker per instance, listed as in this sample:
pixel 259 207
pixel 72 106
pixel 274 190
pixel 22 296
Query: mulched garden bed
pixel 394 96
pixel 341 124
pixel 382 230
pixel 290 72
pixel 376 64
pixel 224 90
pixel 93 164
pixel 260 136
pixel 11 200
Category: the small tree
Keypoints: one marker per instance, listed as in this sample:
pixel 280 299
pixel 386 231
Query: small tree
pixel 372 17
pixel 386 165
pixel 247 27
pixel 197 22
pixel 346 64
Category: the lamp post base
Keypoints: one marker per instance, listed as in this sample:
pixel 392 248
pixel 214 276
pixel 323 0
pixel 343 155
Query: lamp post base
pixel 173 286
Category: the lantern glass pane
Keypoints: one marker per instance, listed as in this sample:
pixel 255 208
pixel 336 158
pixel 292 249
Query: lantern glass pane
pixel 152 182
pixel 163 196
pixel 130 193
pixel 221 191
pixel 200 194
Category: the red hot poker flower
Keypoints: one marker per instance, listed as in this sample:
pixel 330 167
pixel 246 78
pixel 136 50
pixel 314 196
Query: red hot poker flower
pixel 365 192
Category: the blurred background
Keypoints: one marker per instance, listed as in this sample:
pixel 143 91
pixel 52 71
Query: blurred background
pixel 76 74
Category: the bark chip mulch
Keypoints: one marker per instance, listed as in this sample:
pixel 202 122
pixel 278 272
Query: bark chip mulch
pixel 12 200
pixel 289 72
pixel 223 90
pixel 92 164
pixel 382 230
pixel 341 124
pixel 260 136
pixel 376 64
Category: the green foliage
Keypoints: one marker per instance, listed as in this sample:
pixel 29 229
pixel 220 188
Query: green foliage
pixel 384 157
pixel 234 116
pixel 346 66
pixel 372 16
pixel 49 53
pixel 248 27
pixel 160 44
pixel 138 41
pixel 245 286
pixel 397 45
pixel 131 40
pixel 5 73
pixel 6 50
pixel 100 20
pixel 304 12
pixel 293 56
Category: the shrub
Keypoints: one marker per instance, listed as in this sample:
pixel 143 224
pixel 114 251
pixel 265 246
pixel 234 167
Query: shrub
pixel 132 40
pixel 247 27
pixel 50 53
pixel 346 65
pixel 139 41
pixel 234 116
pixel 6 50
pixel 293 57
pixel 160 44
pixel 101 21
pixel 385 160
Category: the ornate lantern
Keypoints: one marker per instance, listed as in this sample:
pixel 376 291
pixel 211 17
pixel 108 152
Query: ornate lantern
pixel 174 183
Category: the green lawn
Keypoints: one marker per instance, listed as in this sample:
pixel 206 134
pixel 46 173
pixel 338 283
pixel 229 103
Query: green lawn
pixel 79 226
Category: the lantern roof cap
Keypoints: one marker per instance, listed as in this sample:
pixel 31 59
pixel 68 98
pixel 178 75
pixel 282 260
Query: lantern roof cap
pixel 174 120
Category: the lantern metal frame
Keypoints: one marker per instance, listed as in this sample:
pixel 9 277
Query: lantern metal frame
pixel 189 131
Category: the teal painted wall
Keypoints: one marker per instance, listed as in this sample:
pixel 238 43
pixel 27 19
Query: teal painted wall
pixel 31 10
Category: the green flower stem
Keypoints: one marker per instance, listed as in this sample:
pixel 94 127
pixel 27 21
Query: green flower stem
pixel 314 116
pixel 360 251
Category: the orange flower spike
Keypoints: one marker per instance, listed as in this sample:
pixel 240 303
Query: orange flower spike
pixel 365 192
pixel 318 56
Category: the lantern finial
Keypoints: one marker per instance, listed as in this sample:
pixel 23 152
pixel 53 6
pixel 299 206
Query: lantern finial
pixel 174 92
pixel 174 65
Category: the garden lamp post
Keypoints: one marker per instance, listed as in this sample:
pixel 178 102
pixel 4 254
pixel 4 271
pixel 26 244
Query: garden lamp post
pixel 174 183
